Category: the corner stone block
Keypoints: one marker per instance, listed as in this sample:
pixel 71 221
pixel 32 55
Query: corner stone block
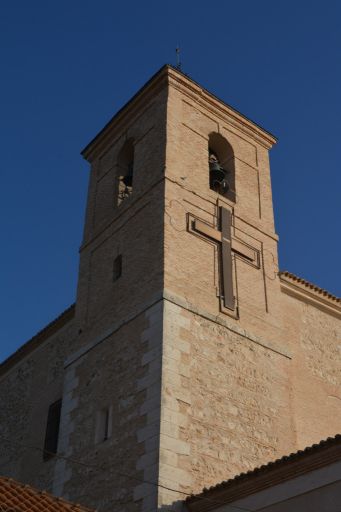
pixel 178 477
pixel 176 445
pixel 143 490
pixel 147 460
pixel 145 433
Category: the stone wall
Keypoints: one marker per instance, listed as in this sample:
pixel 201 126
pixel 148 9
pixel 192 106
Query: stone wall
pixel 120 372
pixel 314 337
pixel 26 391
pixel 225 400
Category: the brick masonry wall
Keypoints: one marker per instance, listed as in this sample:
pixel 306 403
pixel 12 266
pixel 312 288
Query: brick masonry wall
pixel 191 259
pixel 134 229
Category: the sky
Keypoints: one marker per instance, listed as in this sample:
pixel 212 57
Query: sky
pixel 68 66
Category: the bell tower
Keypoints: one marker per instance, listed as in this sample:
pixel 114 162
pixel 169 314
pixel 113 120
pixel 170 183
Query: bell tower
pixel 188 358
pixel 181 377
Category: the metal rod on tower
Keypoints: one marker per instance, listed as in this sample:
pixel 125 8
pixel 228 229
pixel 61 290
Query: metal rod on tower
pixel 178 61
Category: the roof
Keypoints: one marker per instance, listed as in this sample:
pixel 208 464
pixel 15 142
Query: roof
pixel 15 496
pixel 310 286
pixel 308 292
pixel 38 338
pixel 162 75
pixel 303 461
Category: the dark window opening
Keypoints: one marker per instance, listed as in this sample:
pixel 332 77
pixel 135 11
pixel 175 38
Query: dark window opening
pixel 221 166
pixel 103 425
pixel 52 430
pixel 117 267
pixel 106 425
pixel 125 163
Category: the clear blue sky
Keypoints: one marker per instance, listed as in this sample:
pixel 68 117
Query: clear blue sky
pixel 67 66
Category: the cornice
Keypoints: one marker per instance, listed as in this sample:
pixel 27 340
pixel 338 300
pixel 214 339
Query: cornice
pixel 307 292
pixel 125 114
pixel 166 75
pixel 221 109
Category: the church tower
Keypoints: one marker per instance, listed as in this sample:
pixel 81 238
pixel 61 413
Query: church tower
pixel 181 346
pixel 191 358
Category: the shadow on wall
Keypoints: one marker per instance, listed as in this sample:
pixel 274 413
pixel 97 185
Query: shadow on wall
pixel 176 506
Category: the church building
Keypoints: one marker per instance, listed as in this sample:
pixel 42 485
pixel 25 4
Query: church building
pixel 188 357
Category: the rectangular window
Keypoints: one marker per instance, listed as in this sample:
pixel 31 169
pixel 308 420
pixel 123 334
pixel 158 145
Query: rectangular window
pixel 106 425
pixel 103 425
pixel 117 268
pixel 52 430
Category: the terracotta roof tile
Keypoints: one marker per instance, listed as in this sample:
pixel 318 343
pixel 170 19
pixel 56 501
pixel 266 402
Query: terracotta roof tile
pixel 18 497
pixel 309 285
pixel 282 463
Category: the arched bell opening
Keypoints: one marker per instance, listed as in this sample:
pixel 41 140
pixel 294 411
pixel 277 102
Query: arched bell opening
pixel 221 166
pixel 125 173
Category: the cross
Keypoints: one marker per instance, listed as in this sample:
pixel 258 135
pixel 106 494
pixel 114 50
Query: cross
pixel 228 244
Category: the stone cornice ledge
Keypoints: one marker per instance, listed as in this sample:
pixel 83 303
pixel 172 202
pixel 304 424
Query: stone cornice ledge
pixel 180 301
pixel 215 105
pixel 309 293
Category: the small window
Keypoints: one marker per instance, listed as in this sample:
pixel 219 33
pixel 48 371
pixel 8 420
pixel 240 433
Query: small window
pixel 106 425
pixel 103 425
pixel 117 268
pixel 52 430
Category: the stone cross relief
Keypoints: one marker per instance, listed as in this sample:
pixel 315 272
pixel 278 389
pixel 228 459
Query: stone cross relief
pixel 228 246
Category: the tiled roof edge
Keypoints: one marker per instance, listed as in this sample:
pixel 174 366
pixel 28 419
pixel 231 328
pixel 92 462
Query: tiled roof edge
pixel 309 285
pixel 16 487
pixel 38 338
pixel 319 455
pixel 307 292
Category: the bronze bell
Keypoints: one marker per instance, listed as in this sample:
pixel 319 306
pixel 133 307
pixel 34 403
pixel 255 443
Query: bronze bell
pixel 217 173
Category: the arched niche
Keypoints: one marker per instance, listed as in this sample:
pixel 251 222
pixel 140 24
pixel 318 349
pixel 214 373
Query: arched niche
pixel 220 154
pixel 125 171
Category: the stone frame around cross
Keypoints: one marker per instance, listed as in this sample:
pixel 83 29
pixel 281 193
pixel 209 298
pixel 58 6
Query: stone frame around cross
pixel 228 245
